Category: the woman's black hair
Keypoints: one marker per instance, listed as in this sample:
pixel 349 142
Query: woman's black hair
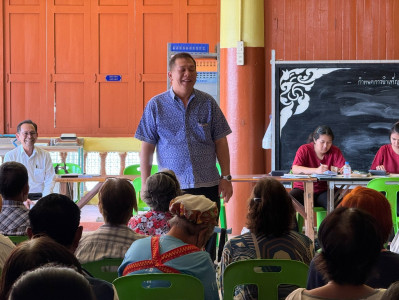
pixel 320 130
pixel 394 129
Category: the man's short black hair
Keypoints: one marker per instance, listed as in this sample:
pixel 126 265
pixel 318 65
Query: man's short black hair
pixel 13 178
pixel 26 122
pixel 57 216
pixel 183 55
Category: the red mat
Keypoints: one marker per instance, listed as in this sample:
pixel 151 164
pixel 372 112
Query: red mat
pixel 91 226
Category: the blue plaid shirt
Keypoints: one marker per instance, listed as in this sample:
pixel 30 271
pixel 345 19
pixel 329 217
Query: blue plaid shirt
pixel 185 137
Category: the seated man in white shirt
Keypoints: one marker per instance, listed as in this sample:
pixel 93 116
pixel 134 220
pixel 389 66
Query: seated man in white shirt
pixel 36 160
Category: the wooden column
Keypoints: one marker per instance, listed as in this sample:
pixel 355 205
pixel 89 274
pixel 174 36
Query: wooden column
pixel 242 96
pixel 103 156
pixel 122 156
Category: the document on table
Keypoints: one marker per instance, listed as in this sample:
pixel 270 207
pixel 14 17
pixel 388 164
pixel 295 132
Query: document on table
pixel 290 176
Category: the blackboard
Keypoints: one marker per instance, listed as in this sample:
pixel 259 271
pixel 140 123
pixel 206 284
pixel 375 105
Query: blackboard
pixel 358 100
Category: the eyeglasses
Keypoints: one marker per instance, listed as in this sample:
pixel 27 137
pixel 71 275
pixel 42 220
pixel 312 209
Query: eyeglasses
pixel 31 133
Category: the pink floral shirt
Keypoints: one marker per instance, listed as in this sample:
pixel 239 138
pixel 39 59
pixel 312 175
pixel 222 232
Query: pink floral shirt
pixel 153 223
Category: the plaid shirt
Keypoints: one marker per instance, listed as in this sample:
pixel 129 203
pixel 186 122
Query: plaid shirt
pixel 185 136
pixel 13 218
pixel 106 242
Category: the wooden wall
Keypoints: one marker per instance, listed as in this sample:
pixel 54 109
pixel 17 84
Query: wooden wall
pixel 329 30
pixel 88 39
pixel 57 54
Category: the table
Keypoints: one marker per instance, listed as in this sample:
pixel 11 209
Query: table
pixel 307 196
pixel 100 179
pixel 344 184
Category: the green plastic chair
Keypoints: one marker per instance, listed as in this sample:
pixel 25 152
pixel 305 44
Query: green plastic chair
pixel 390 187
pixel 105 269
pixel 132 170
pixel 176 286
pixel 16 239
pixel 321 213
pixel 249 271
pixel 135 170
pixel 71 168
pixel 141 205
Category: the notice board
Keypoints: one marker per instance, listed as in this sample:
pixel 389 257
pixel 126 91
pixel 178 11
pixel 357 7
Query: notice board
pixel 359 100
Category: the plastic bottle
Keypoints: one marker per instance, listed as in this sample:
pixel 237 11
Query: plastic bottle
pixel 347 170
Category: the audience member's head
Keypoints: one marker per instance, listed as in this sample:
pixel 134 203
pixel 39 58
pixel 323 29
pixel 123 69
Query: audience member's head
pixel 270 209
pixel 117 199
pixel 14 181
pixel 350 244
pixel 161 188
pixel 194 218
pixel 392 293
pixel 32 254
pixel 58 217
pixel 375 204
pixel 52 282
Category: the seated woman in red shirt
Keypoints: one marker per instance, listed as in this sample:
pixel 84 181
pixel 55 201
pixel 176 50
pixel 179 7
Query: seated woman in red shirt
pixel 387 157
pixel 317 157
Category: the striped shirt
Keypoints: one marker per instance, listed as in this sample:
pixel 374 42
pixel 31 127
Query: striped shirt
pixel 106 242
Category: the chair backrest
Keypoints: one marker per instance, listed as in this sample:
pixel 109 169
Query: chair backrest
pixel 105 269
pixel 70 167
pixel 167 286
pixel 390 186
pixel 132 170
pixel 142 206
pixel 16 239
pixel 251 271
pixel 135 169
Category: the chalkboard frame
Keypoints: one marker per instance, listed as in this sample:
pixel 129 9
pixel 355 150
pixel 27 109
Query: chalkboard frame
pixel 278 150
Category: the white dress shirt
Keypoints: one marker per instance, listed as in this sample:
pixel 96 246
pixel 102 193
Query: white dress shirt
pixel 40 168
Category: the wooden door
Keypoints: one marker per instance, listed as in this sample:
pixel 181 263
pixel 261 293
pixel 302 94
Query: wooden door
pixel 113 54
pixel 25 65
pixel 70 80
pixel 159 22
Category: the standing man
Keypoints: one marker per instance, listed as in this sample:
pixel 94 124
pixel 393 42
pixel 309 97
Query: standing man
pixel 189 131
pixel 37 161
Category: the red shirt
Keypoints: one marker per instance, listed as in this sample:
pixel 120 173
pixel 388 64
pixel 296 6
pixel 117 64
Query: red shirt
pixel 387 157
pixel 306 157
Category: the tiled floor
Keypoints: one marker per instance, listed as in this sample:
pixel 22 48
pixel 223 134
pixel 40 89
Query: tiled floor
pixel 90 218
pixel 90 213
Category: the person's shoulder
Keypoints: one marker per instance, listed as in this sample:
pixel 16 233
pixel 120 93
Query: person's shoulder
pixel 203 94
pixel 160 97
pixel 142 241
pixel 101 288
pixel 239 240
pixel 306 147
pixel 386 148
pixel 12 153
pixel 389 257
pixel 296 294
pixel 205 97
pixel 42 151
pixel 299 236
pixel 6 243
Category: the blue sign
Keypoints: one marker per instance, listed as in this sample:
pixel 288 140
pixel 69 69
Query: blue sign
pixel 188 47
pixel 113 78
